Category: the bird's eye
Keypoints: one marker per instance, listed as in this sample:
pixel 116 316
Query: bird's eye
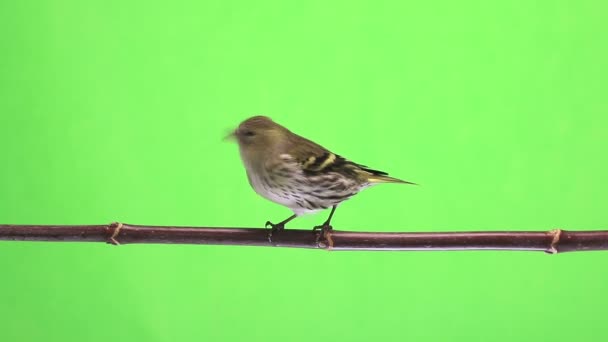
pixel 249 133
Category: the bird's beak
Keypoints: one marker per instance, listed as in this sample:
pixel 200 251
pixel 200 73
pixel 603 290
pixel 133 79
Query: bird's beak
pixel 230 136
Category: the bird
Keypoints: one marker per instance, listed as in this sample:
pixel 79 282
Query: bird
pixel 298 173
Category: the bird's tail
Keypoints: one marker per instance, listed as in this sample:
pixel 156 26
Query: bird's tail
pixel 377 176
pixel 386 179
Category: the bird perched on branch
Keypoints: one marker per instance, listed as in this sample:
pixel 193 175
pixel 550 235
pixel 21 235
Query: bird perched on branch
pixel 295 172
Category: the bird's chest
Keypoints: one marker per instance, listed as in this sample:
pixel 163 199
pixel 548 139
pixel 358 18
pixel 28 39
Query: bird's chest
pixel 272 189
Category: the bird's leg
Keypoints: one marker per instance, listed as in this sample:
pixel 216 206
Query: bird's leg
pixel 281 225
pixel 325 227
pixel 275 228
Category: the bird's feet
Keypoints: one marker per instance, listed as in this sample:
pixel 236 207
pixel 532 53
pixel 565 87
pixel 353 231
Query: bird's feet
pixel 274 228
pixel 324 231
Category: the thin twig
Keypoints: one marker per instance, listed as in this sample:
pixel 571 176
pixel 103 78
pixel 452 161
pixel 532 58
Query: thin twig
pixel 552 241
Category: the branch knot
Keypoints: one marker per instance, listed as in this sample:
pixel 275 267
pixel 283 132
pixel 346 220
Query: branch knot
pixel 117 227
pixel 557 234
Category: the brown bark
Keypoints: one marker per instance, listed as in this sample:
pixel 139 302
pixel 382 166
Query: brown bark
pixel 552 241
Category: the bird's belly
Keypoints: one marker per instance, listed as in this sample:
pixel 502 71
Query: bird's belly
pixel 264 188
pixel 299 195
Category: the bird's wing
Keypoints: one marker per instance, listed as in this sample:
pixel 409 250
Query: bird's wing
pixel 331 162
pixel 314 159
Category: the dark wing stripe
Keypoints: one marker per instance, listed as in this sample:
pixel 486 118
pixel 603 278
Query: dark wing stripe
pixel 320 163
pixel 372 171
pixel 330 162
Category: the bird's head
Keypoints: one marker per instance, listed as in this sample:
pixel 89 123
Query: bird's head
pixel 257 135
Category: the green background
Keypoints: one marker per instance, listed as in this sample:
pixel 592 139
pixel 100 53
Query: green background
pixel 115 111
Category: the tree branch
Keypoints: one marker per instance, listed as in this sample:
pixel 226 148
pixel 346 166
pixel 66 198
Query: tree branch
pixel 552 241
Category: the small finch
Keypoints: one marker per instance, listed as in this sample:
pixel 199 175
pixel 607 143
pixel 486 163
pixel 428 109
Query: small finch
pixel 295 172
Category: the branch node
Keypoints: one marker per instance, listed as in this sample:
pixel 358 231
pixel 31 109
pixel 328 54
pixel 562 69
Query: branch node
pixel 327 242
pixel 557 234
pixel 330 240
pixel 117 228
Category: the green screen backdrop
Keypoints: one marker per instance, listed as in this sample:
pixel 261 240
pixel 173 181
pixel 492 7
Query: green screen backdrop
pixel 115 111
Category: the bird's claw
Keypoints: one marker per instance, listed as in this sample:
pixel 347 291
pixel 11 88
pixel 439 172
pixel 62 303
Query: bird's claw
pixel 274 228
pixel 324 229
